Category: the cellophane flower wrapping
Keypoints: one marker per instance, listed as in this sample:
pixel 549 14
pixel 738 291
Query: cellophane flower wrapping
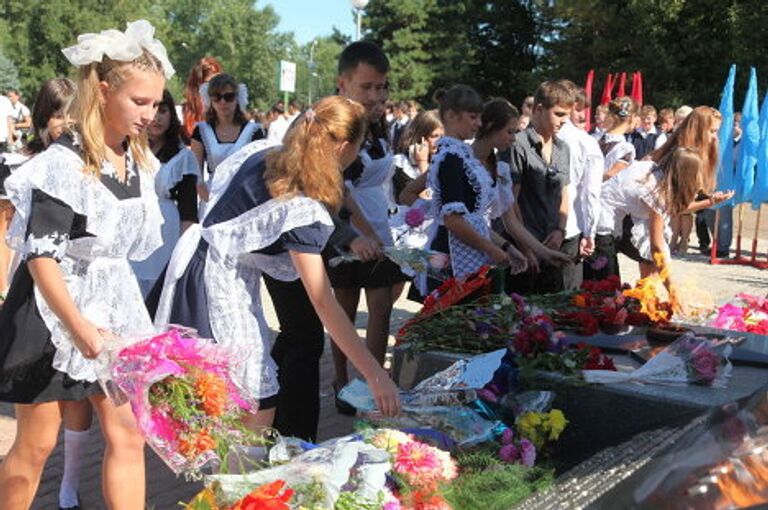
pixel 687 360
pixel 180 390
pixel 318 475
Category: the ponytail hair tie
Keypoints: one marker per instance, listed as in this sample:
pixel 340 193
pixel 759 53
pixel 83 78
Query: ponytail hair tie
pixel 309 116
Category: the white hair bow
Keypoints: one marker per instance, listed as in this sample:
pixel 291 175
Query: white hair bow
pixel 121 46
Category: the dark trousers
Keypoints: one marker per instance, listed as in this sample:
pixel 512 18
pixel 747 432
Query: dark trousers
pixel 605 252
pixel 573 274
pixel 549 278
pixel 705 227
pixel 297 351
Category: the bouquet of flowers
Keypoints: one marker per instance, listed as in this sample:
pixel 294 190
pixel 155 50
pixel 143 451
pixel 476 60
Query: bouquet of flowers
pixel 688 360
pixel 420 470
pixel 540 428
pixel 410 226
pixel 476 327
pixel 537 346
pixel 185 403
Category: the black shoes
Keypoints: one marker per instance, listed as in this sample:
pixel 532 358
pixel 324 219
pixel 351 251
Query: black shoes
pixel 342 407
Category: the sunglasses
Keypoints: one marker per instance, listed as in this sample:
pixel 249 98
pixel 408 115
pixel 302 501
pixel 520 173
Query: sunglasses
pixel 227 97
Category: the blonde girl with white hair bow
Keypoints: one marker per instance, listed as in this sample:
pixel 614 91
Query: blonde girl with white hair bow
pixel 85 206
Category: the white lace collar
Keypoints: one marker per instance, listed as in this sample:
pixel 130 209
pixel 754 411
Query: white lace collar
pixel 108 169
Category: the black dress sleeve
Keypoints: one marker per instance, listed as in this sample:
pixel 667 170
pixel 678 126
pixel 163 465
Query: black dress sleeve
pixel 307 239
pixel 49 227
pixel 454 183
pixel 185 196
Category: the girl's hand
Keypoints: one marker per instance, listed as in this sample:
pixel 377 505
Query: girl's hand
pixel 499 256
pixel 518 262
pixel 419 153
pixel 721 196
pixel 89 339
pixel 556 258
pixel 533 261
pixel 385 393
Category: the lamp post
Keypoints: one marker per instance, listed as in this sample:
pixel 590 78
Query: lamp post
pixel 359 5
pixel 311 66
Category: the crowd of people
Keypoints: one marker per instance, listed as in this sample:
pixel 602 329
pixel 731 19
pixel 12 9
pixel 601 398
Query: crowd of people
pixel 126 212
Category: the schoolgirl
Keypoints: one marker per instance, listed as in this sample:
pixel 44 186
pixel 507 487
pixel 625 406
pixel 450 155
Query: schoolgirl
pixel 83 208
pixel 268 214
pixel 464 192
pixel 225 130
pixel 617 151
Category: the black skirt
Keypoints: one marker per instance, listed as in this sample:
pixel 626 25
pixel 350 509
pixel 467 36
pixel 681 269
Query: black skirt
pixel 27 375
pixel 366 275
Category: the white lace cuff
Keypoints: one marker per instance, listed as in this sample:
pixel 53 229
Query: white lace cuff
pixel 453 208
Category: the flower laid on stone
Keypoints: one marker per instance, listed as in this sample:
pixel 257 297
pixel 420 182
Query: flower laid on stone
pixel 746 313
pixel 541 428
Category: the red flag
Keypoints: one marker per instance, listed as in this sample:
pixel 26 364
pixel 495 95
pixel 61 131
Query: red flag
pixel 588 90
pixel 637 88
pixel 607 89
pixel 622 85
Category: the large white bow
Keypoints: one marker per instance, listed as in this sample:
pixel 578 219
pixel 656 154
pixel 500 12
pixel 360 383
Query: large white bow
pixel 122 46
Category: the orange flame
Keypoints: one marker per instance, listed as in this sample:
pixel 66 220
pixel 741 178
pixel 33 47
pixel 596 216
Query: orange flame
pixel 650 292
pixel 741 488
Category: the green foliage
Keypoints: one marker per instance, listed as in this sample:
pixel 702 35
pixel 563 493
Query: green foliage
pixel 240 34
pixel 9 75
pixel 682 47
pixel 437 43
pixel 487 482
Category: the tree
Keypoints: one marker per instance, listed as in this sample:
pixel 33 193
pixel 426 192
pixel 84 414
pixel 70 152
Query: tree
pixel 402 29
pixel 683 48
pixel 9 76
pixel 491 45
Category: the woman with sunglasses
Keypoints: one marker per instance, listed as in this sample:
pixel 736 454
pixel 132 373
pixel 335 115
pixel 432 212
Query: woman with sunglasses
pixel 226 128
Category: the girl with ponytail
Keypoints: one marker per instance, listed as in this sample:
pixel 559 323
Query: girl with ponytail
pixel 269 212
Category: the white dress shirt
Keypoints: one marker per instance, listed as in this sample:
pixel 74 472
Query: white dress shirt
pixel 586 176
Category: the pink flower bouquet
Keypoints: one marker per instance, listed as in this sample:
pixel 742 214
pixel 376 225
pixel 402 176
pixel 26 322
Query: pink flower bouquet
pixel 180 391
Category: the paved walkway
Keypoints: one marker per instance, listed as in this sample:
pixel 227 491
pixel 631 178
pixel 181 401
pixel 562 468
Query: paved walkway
pixel 165 491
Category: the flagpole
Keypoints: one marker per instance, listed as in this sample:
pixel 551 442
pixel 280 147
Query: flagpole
pixel 754 239
pixel 738 236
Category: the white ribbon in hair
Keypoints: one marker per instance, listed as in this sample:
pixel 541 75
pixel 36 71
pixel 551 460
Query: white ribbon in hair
pixel 121 46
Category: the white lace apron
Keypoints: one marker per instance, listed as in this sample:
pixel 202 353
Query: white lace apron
pixel 233 273
pixel 464 258
pixel 96 270
pixel 216 152
pixel 170 174
pixel 370 192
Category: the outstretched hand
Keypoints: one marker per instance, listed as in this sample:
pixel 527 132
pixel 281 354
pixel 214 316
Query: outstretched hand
pixel 386 394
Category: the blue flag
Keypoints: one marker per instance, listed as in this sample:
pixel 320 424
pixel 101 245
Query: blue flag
pixel 725 177
pixel 760 193
pixel 745 173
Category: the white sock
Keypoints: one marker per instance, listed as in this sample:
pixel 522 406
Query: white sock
pixel 75 442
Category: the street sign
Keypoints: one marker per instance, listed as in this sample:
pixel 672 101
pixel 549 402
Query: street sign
pixel 287 76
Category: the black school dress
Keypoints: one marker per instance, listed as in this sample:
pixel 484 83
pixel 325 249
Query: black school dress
pixel 91 227
pixel 213 280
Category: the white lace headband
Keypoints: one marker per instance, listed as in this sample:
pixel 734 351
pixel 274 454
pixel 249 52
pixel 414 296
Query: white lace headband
pixel 121 46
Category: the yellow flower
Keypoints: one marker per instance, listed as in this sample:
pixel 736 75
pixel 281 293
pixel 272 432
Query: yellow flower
pixel 204 500
pixel 389 440
pixel 557 423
